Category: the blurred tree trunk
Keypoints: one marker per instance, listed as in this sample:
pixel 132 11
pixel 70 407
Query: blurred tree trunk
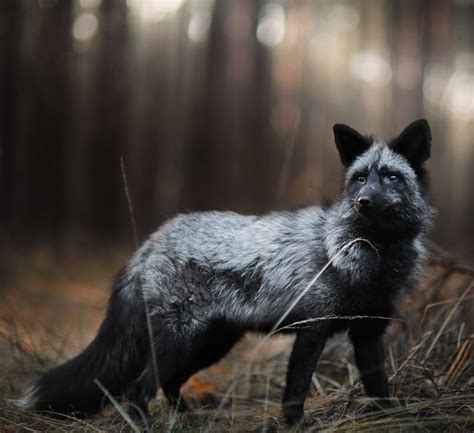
pixel 10 23
pixel 204 190
pixel 408 51
pixel 228 164
pixel 148 125
pixel 46 120
pixel 168 178
pixel 256 171
pixel 107 204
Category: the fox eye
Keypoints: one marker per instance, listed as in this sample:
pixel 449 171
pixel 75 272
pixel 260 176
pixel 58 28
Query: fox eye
pixel 392 178
pixel 361 179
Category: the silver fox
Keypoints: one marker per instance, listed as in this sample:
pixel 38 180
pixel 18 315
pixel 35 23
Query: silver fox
pixel 209 277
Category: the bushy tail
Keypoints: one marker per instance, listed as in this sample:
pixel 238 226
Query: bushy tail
pixel 115 357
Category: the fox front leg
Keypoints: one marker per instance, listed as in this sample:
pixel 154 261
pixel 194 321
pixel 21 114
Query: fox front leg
pixel 306 351
pixel 370 359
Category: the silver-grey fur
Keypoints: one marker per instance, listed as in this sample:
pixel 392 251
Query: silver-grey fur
pixel 208 277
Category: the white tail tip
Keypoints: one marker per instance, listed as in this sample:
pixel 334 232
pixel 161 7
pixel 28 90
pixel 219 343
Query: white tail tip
pixel 28 401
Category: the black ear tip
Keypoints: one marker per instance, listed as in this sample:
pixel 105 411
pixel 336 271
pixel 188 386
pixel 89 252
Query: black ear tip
pixel 340 129
pixel 424 124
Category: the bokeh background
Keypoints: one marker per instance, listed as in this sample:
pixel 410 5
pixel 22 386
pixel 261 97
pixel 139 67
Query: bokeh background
pixel 225 104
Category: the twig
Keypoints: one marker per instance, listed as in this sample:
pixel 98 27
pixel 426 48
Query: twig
pixel 117 406
pixel 436 304
pixel 129 201
pixel 145 301
pixel 410 356
pixel 459 361
pixel 265 405
pixel 447 320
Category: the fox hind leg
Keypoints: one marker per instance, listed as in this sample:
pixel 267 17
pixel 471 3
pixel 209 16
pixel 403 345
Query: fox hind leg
pixel 195 353
pixel 144 388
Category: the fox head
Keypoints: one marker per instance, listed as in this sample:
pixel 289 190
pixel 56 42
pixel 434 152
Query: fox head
pixel 384 181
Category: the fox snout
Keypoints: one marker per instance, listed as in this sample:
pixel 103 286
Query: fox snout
pixel 369 204
pixel 370 198
pixel 363 203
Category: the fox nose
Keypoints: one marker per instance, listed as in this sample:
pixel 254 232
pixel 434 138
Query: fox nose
pixel 364 202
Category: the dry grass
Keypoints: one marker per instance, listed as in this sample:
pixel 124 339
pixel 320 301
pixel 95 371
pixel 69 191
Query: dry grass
pixel 429 361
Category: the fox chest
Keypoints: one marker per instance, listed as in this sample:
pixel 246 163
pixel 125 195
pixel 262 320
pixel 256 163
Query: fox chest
pixel 367 265
pixel 370 287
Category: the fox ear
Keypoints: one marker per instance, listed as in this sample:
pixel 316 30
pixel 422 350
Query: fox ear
pixel 349 143
pixel 414 142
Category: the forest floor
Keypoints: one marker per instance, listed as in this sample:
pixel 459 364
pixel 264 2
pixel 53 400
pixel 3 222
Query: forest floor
pixel 52 305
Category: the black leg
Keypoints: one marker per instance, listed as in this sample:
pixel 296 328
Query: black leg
pixel 144 388
pixel 370 359
pixel 305 354
pixel 203 349
pixel 172 371
pixel 173 394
